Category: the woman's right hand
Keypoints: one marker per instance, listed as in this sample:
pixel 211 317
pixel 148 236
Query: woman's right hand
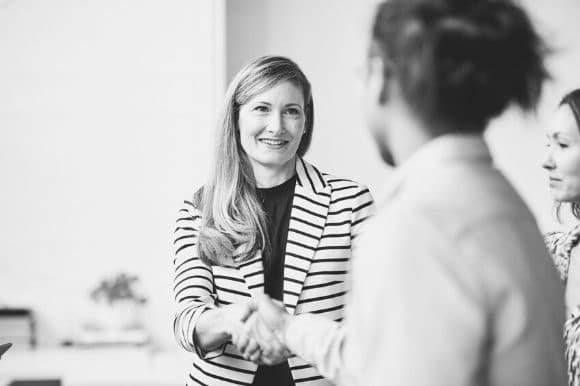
pixel 216 326
pixel 272 351
pixel 253 339
pixel 240 323
pixel 240 331
pixel 234 316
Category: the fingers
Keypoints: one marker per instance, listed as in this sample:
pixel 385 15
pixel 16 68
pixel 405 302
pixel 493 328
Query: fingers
pixel 247 309
pixel 273 313
pixel 268 361
pixel 273 350
pixel 252 351
pixel 270 343
pixel 254 335
pixel 277 302
pixel 257 343
pixel 247 345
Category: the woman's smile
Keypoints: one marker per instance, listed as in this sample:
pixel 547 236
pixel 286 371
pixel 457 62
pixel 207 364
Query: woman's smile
pixel 273 143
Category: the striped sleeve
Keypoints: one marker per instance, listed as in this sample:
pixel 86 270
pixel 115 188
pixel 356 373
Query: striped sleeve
pixel 363 208
pixel 193 285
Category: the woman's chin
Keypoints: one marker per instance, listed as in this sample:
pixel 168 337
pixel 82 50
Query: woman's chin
pixel 565 198
pixel 275 162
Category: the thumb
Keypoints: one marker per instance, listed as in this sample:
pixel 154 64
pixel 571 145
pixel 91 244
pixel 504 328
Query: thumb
pixel 247 310
pixel 270 312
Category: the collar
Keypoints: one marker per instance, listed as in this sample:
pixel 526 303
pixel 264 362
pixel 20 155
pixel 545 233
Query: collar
pixel 444 149
pixel 309 177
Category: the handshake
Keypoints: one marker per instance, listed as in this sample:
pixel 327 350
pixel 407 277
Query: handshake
pixel 257 330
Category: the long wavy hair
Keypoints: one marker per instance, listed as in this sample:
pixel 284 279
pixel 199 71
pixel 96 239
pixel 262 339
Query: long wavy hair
pixel 233 226
pixel 572 100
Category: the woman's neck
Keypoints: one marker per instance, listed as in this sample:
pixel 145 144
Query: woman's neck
pixel 268 176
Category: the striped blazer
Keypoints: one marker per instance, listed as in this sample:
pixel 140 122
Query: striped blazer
pixel 327 214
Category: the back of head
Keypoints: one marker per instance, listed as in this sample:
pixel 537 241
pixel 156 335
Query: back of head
pixel 461 62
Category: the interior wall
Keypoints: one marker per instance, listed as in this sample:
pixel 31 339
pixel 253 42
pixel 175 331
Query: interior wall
pixel 106 111
pixel 328 38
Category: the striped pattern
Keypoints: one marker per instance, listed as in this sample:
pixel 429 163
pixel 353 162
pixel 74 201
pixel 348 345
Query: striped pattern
pixel 327 214
pixel 560 245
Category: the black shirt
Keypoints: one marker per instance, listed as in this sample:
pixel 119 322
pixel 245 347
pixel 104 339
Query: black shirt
pixel 277 204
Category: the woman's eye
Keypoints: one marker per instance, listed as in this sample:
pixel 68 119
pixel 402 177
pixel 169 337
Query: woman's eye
pixel 292 111
pixel 261 109
pixel 562 145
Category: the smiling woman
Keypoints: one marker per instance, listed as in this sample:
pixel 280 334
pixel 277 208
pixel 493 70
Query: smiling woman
pixel 266 222
pixel 271 127
pixel 562 162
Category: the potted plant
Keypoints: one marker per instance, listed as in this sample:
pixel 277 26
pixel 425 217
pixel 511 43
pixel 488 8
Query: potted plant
pixel 117 302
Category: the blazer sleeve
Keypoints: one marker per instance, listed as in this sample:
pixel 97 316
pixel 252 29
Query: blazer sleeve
pixel 320 341
pixel 193 284
pixel 362 209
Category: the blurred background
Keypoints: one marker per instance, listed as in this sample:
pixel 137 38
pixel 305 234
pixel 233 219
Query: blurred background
pixel 107 115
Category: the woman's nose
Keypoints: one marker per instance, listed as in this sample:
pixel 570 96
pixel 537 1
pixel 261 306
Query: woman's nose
pixel 276 124
pixel 548 162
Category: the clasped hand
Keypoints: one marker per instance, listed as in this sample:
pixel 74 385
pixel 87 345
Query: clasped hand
pixel 258 333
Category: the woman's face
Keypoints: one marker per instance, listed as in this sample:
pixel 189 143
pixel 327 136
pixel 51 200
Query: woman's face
pixel 271 125
pixel 563 156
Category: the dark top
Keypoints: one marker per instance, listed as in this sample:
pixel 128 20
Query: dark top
pixel 277 203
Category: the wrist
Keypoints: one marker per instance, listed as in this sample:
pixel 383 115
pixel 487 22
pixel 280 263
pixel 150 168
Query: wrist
pixel 210 330
pixel 282 328
pixel 224 323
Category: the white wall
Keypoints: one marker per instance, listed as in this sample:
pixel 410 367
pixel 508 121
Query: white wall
pixel 518 142
pixel 327 38
pixel 106 110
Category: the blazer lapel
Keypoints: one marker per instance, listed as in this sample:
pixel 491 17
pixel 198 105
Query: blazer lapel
pixel 253 273
pixel 307 220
